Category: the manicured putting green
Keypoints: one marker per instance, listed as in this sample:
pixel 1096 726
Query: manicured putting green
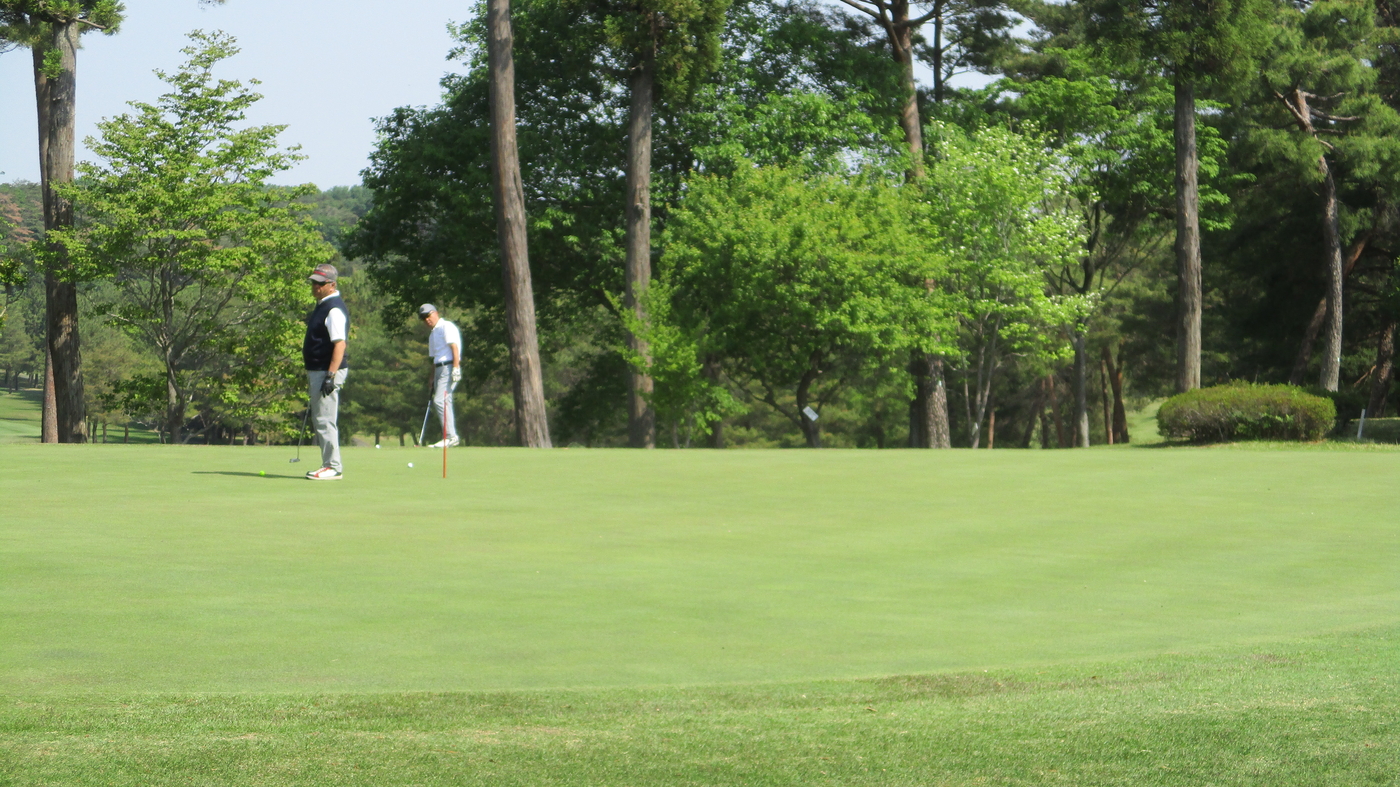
pixel 126 568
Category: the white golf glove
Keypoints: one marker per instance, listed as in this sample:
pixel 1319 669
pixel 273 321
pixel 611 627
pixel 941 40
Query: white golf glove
pixel 456 375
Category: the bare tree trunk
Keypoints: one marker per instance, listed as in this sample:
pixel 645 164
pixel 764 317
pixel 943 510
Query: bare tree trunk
pixel 531 419
pixel 59 96
pixel 1048 386
pixel 1081 390
pixel 1103 398
pixel 1380 377
pixel 1115 380
pixel 641 418
pixel 48 431
pixel 936 418
pixel 1037 408
pixel 1188 241
pixel 902 46
pixel 1060 440
pixel 1332 328
pixel 174 407
pixel 1300 362
pixel 991 425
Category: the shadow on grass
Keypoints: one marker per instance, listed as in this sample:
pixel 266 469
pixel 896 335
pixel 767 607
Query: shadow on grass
pixel 248 475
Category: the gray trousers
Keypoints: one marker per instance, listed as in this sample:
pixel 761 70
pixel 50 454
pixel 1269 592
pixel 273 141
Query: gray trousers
pixel 324 411
pixel 442 381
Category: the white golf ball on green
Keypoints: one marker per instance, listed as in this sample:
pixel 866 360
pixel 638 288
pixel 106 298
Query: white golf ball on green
pixel 410 464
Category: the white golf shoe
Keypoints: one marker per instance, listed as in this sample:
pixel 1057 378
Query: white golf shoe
pixel 448 443
pixel 324 474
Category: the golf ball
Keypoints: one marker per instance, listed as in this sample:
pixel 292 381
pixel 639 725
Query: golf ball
pixel 410 464
pixel 262 472
pixel 376 445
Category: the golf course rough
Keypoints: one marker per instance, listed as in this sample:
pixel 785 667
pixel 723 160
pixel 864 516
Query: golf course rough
pixel 183 569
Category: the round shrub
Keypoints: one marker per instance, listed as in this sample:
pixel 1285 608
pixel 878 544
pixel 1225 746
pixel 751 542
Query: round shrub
pixel 1241 411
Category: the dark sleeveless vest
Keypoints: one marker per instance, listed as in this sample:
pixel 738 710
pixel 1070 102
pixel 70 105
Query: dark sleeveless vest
pixel 316 348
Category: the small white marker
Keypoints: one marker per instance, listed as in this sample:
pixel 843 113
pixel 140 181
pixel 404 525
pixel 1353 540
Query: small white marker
pixel 810 413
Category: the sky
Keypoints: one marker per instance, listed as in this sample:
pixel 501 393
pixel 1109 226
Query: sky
pixel 327 67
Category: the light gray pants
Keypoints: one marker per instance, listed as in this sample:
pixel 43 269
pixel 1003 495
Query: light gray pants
pixel 442 381
pixel 324 411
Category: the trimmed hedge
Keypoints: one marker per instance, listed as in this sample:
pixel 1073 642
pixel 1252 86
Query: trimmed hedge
pixel 1241 411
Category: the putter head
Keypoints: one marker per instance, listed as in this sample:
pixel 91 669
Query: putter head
pixel 293 461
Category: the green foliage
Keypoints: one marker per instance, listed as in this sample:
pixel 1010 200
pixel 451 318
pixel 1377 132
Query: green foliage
pixel 802 283
pixel 30 22
pixel 678 39
pixel 1243 411
pixel 1194 40
pixel 208 259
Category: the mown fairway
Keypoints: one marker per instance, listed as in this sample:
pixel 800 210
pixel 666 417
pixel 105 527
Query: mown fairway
pixel 1136 616
pixel 132 568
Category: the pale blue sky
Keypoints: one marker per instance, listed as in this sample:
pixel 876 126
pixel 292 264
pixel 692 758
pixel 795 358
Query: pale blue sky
pixel 328 68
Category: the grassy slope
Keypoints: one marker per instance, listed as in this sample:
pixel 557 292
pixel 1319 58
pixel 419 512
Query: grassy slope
pixel 1317 712
pixel 19 416
pixel 181 569
pixel 1143 617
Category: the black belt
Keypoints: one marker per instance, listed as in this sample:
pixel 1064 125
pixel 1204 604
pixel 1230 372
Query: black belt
pixel 444 363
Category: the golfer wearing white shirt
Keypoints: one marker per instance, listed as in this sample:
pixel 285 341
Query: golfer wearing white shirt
pixel 445 348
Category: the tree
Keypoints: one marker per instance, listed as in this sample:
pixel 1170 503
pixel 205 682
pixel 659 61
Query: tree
pixel 51 28
pixel 799 284
pixel 531 424
pixel 1321 80
pixel 928 410
pixel 1197 43
pixel 209 259
pixel 1004 205
pixel 663 46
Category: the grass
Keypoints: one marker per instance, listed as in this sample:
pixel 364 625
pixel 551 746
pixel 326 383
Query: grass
pixel 20 413
pixel 19 416
pixel 1181 616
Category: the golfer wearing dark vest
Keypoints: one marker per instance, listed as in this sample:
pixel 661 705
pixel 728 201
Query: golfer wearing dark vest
pixel 323 354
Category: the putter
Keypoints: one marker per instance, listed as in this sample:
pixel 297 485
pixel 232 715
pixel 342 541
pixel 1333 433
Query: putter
pixel 424 431
pixel 301 434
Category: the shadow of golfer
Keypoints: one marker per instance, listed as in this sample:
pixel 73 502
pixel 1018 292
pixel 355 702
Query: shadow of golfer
pixel 249 475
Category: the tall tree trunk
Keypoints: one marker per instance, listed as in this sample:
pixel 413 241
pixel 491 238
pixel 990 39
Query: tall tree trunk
pixel 938 86
pixel 1115 380
pixel 1300 362
pixel 174 407
pixel 1060 440
pixel 1380 376
pixel 1188 240
pixel 1081 389
pixel 991 424
pixel 48 431
pixel 531 420
pixel 1047 382
pixel 56 147
pixel 902 46
pixel 1103 398
pixel 1330 375
pixel 641 418
pixel 1037 408
pixel 936 413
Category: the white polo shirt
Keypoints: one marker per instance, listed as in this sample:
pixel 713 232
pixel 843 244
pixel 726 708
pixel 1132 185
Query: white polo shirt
pixel 444 334
pixel 335 321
